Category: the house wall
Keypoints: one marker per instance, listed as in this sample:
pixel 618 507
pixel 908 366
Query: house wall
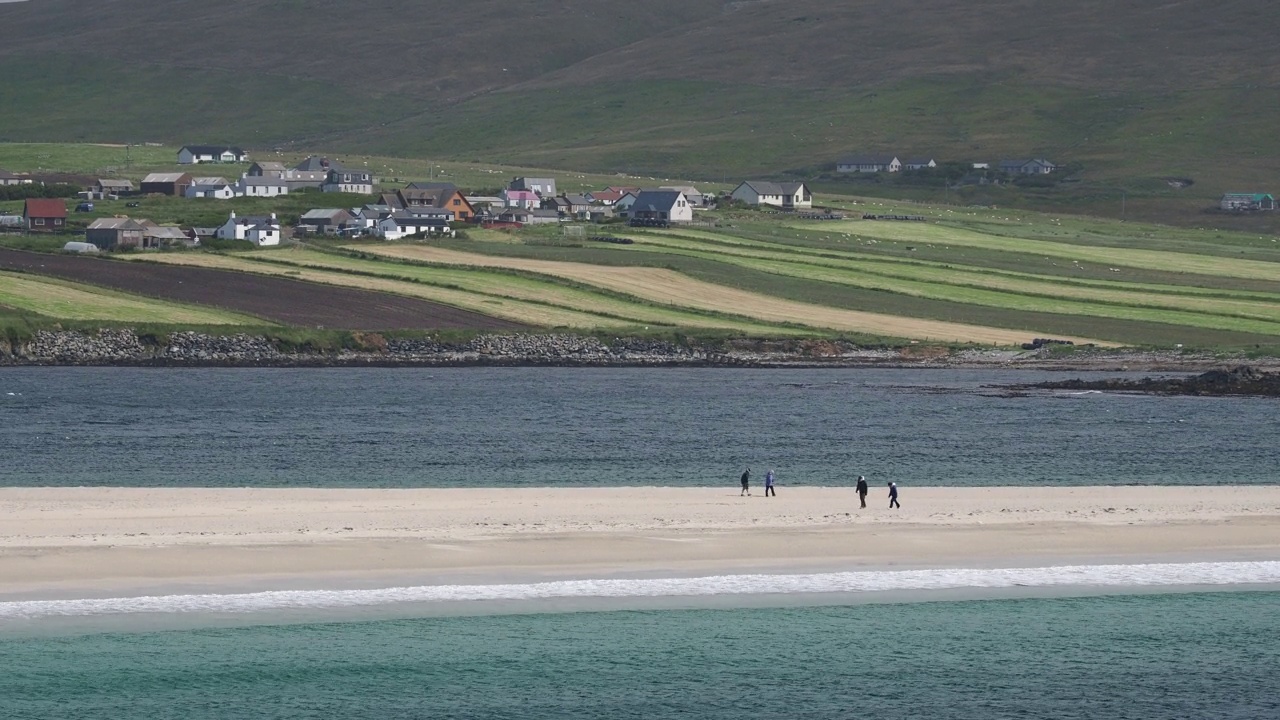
pixel 264 237
pixel 682 211
pixel 742 193
pixel 39 224
pixel 799 200
pixel 264 190
pixel 357 188
pixel 108 238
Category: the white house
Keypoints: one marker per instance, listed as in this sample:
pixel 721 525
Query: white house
pixel 258 230
pixel 367 217
pixel 195 154
pixel 1034 166
pixel 920 163
pixel 340 179
pixel 691 193
pixel 405 223
pixel 8 178
pixel 788 196
pixel 210 187
pixel 544 187
pixel 868 163
pixel 261 186
pixel 660 207
pixel 523 199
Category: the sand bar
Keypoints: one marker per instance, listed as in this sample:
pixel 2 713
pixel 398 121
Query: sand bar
pixel 71 540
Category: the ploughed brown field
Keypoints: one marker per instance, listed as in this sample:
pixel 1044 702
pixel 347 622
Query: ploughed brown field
pixel 289 302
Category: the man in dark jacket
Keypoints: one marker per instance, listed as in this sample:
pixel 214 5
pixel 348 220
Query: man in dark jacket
pixel 862 490
pixel 746 483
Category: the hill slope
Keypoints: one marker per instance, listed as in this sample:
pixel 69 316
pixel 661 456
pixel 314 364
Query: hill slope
pixel 1128 91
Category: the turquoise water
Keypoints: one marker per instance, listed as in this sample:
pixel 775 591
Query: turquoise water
pixel 475 427
pixel 1142 656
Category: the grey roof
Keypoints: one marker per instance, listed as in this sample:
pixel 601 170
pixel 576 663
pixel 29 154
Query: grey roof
pixel 165 232
pixel 917 161
pixel 270 165
pixel 212 149
pixel 315 163
pixel 662 200
pixel 765 187
pixel 355 175
pixel 403 218
pixel 256 221
pixel 163 177
pixel 263 181
pixel 447 187
pixel 1019 162
pixel 322 213
pixel 867 159
pixel 686 189
pixel 109 183
pixel 212 180
pixel 115 223
pixel 422 212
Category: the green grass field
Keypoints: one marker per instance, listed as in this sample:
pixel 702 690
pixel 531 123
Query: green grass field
pixel 1003 272
pixel 61 300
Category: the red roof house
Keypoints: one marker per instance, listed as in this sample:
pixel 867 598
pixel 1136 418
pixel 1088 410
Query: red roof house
pixel 45 215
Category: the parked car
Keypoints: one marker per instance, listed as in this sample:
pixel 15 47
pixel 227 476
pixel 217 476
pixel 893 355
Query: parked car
pixel 84 207
pixel 133 204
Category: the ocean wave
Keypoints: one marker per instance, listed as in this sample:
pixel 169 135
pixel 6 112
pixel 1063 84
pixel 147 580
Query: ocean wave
pixel 1084 576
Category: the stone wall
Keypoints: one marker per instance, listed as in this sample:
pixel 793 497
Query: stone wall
pixel 126 347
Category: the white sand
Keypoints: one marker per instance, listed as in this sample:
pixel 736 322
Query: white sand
pixel 69 540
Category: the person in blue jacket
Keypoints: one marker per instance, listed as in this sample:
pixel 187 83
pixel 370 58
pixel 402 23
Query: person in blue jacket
pixel 768 485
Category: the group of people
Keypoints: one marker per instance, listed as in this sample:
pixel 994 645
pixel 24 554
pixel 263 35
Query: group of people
pixel 861 488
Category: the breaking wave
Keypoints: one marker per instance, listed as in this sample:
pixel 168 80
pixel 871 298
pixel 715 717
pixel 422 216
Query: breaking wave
pixel 1084 576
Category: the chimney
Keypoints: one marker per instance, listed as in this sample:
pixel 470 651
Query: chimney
pixel 233 214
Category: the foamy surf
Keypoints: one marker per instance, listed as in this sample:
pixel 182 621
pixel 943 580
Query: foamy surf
pixel 1084 576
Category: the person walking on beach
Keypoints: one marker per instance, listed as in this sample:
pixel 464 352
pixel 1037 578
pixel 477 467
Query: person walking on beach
pixel 768 485
pixel 862 490
pixel 893 496
pixel 746 483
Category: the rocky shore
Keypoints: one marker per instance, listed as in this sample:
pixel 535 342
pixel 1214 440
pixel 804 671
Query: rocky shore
pixel 1240 380
pixel 126 347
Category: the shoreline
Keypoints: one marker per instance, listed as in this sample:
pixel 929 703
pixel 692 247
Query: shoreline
pixel 84 542
pixel 124 347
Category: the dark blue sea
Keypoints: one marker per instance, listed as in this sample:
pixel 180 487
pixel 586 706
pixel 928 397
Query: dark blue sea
pixel 575 427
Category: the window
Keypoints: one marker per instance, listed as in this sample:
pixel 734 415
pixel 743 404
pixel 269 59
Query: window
pixel 37 221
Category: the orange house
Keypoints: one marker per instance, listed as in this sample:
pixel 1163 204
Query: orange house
pixel 445 196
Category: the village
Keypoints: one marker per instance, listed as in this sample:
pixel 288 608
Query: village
pixel 430 209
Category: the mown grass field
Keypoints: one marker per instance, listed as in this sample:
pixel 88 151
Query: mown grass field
pixel 62 300
pixel 539 303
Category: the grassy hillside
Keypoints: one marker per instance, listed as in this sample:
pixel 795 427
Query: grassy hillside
pixel 963 275
pixel 1126 94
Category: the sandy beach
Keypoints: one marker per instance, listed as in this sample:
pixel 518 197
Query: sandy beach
pixel 86 541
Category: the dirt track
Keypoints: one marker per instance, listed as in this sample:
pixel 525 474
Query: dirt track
pixel 289 302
